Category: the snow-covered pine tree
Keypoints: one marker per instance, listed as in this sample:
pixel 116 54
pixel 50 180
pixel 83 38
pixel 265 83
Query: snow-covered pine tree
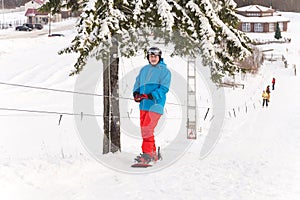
pixel 277 32
pixel 194 27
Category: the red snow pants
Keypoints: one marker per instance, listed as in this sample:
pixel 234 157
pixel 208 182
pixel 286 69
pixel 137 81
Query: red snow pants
pixel 148 122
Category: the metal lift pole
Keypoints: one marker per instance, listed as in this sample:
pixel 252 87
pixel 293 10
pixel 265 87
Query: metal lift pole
pixel 191 99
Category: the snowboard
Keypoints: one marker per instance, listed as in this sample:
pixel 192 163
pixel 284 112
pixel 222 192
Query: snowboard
pixel 141 165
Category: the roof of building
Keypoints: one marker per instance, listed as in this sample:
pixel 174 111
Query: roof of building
pixel 266 19
pixel 39 1
pixel 33 12
pixel 254 8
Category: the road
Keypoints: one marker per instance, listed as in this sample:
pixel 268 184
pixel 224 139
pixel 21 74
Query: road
pixel 36 33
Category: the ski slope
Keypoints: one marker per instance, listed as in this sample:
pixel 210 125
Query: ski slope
pixel 255 157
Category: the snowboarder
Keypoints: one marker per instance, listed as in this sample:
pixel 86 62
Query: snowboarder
pixel 265 98
pixel 268 92
pixel 150 89
pixel 273 83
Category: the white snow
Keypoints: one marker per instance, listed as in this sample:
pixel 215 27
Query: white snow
pixel 164 10
pixel 253 8
pixel 269 19
pixel 256 156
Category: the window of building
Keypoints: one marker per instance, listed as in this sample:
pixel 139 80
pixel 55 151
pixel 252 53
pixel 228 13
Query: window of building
pixel 266 14
pixel 258 27
pixel 246 27
pixel 250 14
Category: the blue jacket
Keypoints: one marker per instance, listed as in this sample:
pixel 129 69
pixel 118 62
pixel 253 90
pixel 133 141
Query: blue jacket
pixel 153 80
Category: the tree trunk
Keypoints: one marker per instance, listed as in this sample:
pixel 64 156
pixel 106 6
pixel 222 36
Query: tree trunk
pixel 106 103
pixel 111 140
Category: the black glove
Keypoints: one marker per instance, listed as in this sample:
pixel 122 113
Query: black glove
pixel 139 97
pixel 135 93
pixel 136 96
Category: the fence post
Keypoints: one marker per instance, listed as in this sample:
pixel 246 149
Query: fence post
pixel 285 64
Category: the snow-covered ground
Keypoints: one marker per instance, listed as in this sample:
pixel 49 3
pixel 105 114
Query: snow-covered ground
pixel 256 157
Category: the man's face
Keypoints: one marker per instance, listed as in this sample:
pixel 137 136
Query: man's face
pixel 153 59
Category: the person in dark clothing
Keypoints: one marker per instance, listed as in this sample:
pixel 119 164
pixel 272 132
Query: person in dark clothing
pixel 268 92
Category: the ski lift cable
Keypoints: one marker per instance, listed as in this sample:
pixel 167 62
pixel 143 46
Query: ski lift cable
pixel 94 94
pixel 47 113
pixel 50 89
pixel 81 93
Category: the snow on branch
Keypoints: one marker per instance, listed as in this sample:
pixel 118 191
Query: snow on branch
pixel 137 9
pixel 203 27
pixel 164 10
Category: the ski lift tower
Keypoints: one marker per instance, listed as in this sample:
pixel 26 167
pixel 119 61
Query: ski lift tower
pixel 3 14
pixel 191 99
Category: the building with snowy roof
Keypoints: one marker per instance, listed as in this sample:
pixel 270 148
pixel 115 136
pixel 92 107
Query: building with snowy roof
pixel 260 19
pixel 32 13
pixel 34 16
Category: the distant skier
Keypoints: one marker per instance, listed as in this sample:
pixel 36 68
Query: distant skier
pixel 150 89
pixel 268 92
pixel 265 97
pixel 273 83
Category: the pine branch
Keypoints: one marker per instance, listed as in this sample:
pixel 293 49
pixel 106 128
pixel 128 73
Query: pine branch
pixel 195 27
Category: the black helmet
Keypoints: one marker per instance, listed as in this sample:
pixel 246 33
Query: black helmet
pixel 154 51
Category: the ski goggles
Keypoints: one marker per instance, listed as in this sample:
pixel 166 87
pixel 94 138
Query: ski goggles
pixel 156 52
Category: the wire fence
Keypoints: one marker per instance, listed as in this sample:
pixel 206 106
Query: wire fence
pixel 11 24
pixel 205 110
pixel 269 41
